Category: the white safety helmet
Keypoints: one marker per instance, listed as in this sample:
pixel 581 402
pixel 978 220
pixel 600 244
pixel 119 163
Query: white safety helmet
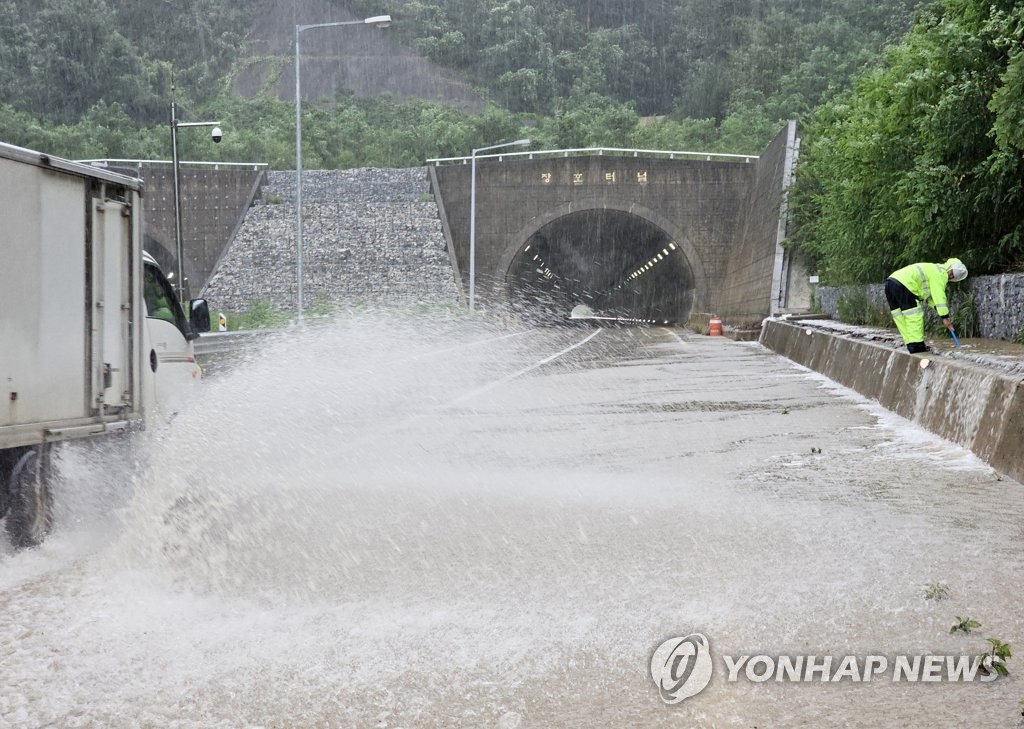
pixel 957 267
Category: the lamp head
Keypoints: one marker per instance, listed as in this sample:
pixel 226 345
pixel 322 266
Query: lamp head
pixel 379 21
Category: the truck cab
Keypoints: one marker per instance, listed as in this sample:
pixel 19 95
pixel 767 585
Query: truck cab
pixel 167 339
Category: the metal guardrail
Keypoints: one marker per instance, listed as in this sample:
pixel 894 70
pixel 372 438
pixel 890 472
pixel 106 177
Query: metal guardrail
pixel 214 342
pixel 140 163
pixel 597 151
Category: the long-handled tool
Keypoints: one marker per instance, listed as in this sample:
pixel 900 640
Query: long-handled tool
pixel 952 333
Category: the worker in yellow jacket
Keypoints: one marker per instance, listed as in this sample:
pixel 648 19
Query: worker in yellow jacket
pixel 911 287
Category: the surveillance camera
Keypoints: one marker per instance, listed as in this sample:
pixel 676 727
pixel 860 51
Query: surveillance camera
pixel 217 134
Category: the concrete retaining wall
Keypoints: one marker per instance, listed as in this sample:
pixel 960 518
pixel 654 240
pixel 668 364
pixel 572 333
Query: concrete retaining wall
pixel 752 286
pixel 999 301
pixel 213 204
pixel 975 407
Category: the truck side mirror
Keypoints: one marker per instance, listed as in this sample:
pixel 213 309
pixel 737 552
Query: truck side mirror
pixel 199 315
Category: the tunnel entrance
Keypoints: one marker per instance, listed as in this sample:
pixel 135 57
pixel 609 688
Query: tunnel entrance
pixel 612 263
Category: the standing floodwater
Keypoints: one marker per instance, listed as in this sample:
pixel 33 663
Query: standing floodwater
pixel 425 524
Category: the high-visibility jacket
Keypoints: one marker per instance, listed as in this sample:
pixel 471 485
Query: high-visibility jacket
pixel 927 282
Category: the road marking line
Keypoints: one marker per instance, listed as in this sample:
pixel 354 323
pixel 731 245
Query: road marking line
pixel 675 334
pixel 410 419
pixel 523 371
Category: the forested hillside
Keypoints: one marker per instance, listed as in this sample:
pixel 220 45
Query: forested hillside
pixel 61 58
pixel 694 58
pixel 92 78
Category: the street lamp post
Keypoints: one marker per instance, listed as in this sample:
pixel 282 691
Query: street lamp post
pixel 377 21
pixel 472 213
pixel 216 135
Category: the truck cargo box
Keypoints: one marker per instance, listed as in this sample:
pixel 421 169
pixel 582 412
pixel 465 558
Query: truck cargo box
pixel 70 298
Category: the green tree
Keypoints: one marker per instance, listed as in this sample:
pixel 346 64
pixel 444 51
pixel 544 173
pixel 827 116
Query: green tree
pixel 693 135
pixel 704 32
pixel 518 57
pixel 916 163
pixel 591 120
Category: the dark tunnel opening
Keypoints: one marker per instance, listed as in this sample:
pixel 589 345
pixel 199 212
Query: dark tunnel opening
pixel 618 265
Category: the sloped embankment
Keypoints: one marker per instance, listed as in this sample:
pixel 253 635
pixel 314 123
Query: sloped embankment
pixel 370 237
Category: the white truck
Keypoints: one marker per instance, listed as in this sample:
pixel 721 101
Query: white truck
pixel 93 339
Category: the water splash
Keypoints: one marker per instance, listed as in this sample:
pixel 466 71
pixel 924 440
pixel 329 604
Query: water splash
pixel 334 534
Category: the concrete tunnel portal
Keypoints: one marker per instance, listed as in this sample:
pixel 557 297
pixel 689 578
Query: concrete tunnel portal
pixel 616 263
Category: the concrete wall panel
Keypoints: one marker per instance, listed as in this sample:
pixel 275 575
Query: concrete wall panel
pixel 976 408
pixel 754 251
pixel 213 204
pixel 1007 432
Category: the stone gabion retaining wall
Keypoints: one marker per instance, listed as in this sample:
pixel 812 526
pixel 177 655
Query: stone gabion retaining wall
pixel 371 236
pixel 828 297
pixel 999 301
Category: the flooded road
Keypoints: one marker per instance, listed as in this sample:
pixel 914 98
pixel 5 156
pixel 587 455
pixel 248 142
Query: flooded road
pixel 387 525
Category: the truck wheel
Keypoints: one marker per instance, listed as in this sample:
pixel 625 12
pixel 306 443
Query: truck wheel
pixel 30 516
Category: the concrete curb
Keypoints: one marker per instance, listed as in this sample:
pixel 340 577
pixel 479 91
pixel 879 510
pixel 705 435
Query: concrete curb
pixel 972 406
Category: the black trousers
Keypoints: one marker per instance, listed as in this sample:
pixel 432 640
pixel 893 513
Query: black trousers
pixel 898 295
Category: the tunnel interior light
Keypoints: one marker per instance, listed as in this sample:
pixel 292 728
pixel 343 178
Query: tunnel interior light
pixel 571 249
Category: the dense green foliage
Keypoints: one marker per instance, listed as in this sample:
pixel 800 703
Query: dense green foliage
pixel 59 58
pixel 922 159
pixel 377 131
pixel 92 78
